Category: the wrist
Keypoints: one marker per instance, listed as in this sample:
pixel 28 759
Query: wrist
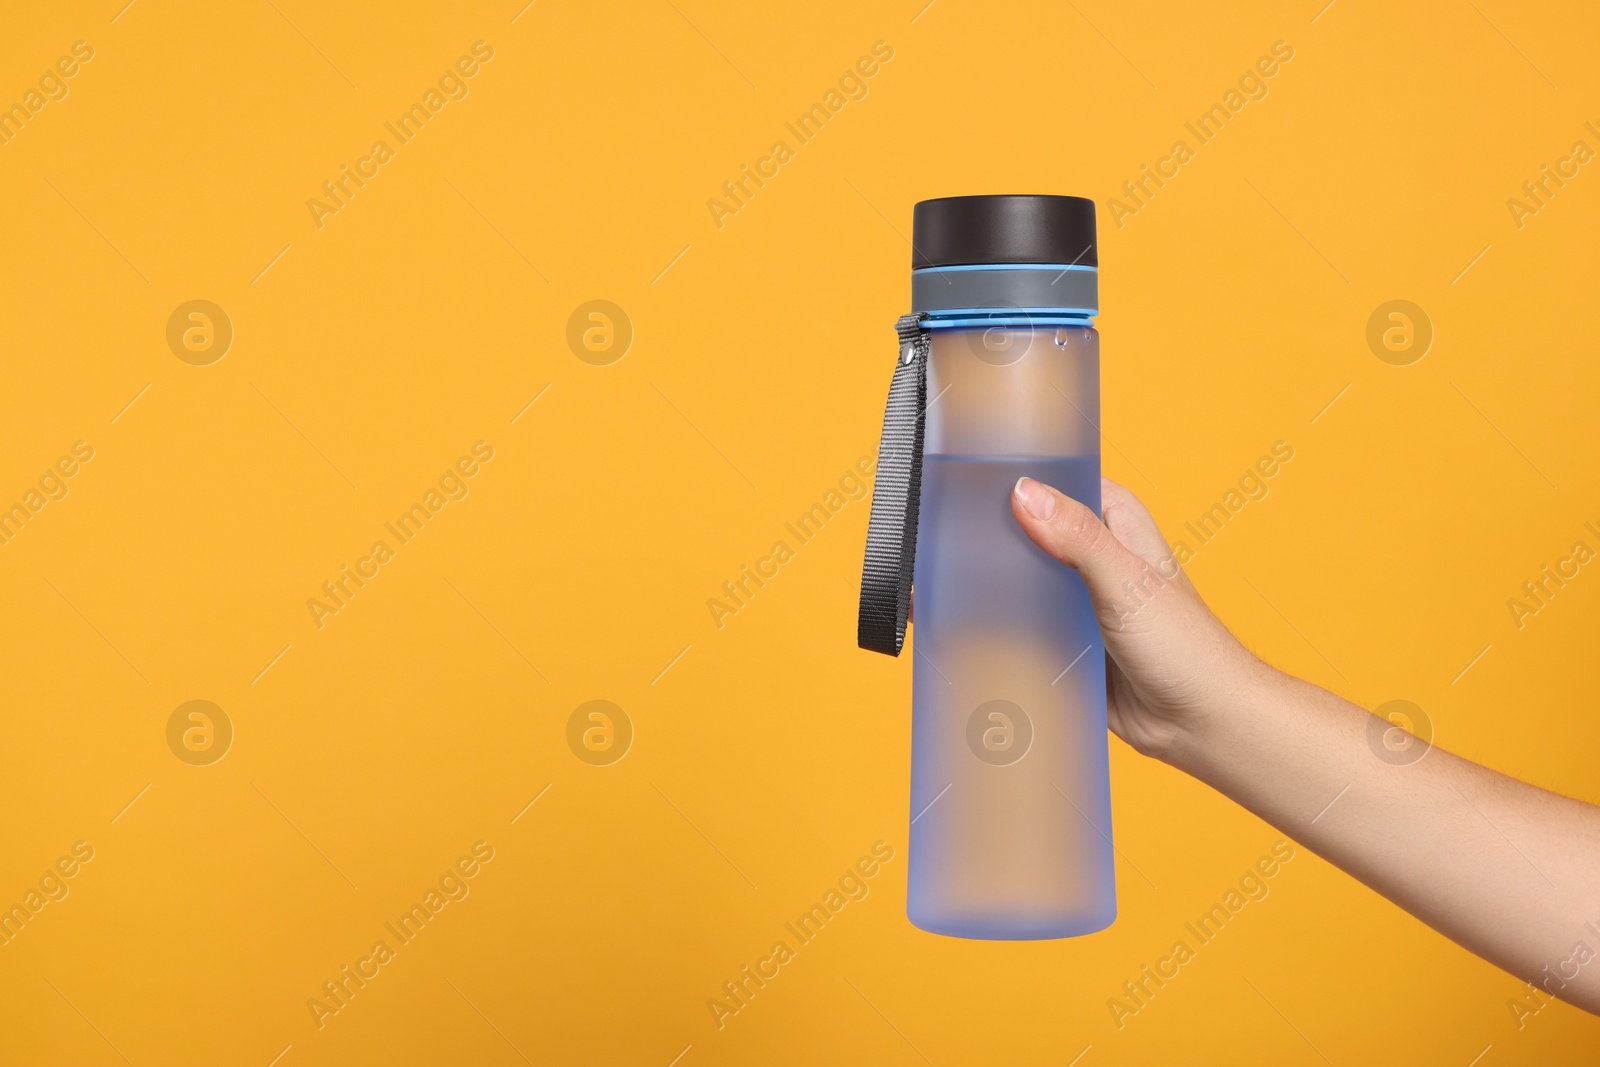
pixel 1218 728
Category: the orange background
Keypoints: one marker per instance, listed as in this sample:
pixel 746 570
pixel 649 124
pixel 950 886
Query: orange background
pixel 371 753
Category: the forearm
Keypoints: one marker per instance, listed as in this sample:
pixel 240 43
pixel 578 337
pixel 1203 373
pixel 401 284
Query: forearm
pixel 1507 870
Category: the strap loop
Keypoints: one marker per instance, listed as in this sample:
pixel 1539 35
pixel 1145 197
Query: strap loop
pixel 896 495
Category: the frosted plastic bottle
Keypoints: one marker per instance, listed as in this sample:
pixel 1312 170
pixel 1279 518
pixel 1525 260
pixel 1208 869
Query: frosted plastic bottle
pixel 1010 795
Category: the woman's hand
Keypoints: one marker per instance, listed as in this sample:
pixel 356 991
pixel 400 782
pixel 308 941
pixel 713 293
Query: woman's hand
pixel 1507 870
pixel 1170 661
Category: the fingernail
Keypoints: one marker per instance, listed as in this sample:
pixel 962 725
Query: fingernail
pixel 1036 499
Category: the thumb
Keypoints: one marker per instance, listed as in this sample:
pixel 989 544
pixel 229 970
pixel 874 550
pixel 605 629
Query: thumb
pixel 1120 582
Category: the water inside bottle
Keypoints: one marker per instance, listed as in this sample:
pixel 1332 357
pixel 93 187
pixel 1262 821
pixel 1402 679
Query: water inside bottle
pixel 1010 798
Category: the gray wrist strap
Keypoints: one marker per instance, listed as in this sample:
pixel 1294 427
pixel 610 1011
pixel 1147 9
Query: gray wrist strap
pixel 896 495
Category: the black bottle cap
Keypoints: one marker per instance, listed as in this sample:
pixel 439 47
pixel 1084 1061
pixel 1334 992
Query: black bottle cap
pixel 961 230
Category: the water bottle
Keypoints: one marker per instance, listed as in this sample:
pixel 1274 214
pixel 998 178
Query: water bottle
pixel 1010 832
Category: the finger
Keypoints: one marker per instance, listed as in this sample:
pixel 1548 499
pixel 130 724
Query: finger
pixel 1131 523
pixel 1118 580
